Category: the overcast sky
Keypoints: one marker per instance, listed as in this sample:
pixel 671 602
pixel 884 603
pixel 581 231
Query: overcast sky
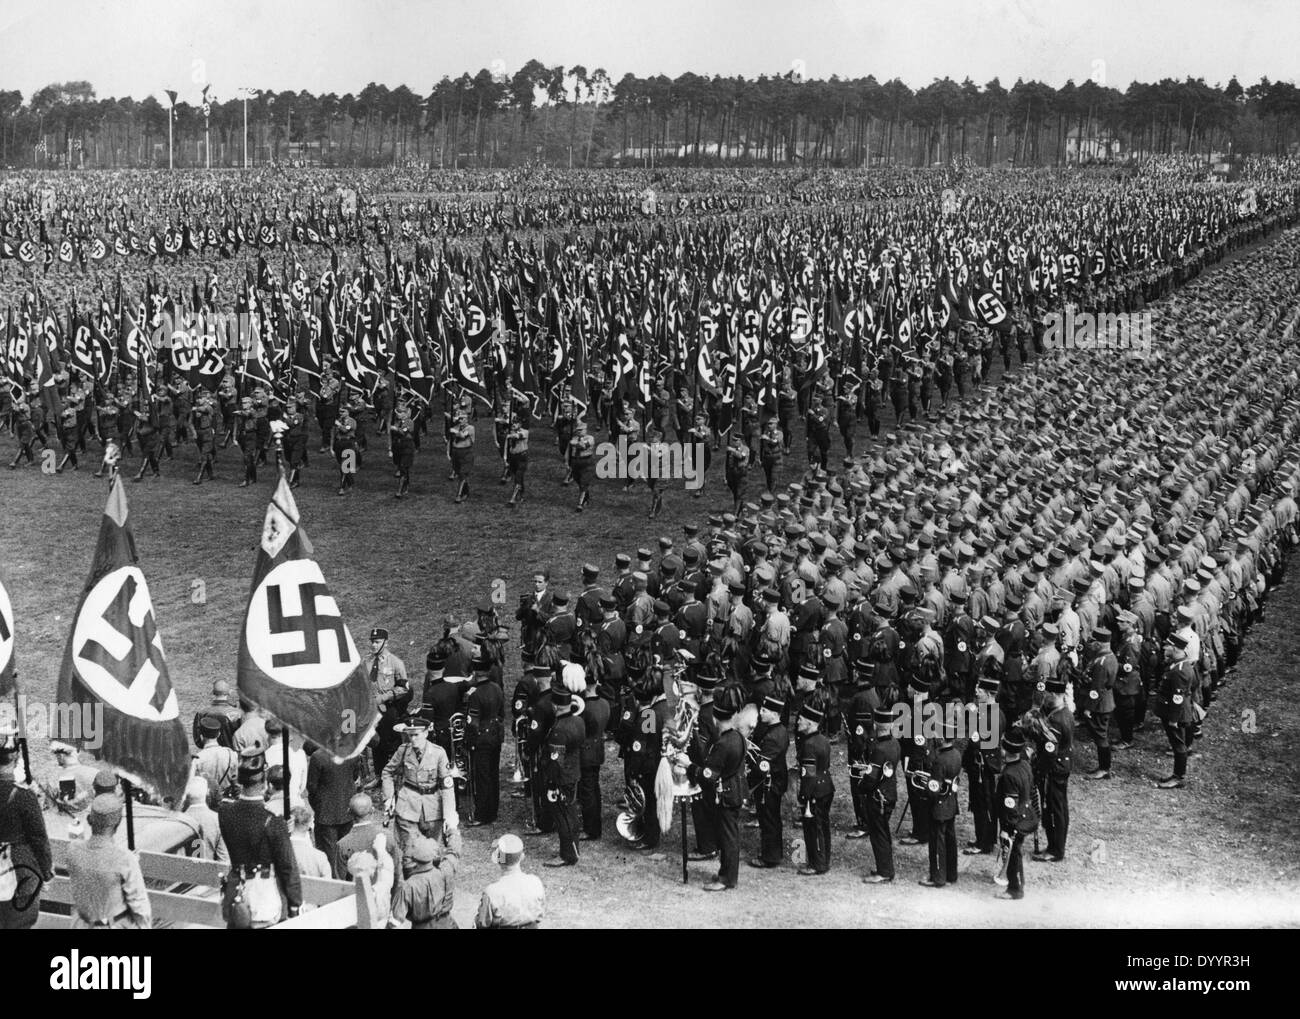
pixel 138 47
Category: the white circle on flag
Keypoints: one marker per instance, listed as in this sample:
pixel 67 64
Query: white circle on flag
pixel 103 633
pixel 7 638
pixel 295 632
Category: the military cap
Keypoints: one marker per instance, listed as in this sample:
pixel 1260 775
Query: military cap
pixel 661 607
pixel 812 714
pixel 608 601
pixel 560 598
pixel 590 571
pixel 622 561
pixel 809 670
pixel 105 781
pixel 989 683
pixel 378 633
pixel 421 849
pixel 209 725
pixel 773 703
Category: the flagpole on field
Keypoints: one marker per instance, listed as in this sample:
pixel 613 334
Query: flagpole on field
pixel 171 116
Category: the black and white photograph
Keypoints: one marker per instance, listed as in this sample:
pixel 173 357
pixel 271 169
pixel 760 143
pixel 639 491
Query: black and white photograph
pixel 729 464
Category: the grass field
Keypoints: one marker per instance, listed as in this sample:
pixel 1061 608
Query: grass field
pixel 1219 852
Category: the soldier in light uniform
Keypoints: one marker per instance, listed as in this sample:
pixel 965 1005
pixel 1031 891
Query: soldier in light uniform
pixel 419 790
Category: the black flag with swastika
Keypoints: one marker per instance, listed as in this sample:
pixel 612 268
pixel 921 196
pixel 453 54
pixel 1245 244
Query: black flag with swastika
pixel 297 659
pixel 114 658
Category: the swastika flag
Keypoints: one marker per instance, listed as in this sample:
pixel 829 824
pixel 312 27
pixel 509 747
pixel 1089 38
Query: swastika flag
pixel 114 659
pixel 8 671
pixel 297 659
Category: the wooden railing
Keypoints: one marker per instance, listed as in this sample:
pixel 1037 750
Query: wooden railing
pixel 186 891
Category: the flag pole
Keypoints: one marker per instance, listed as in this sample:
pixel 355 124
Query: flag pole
pixel 284 745
pixel 22 733
pixel 128 794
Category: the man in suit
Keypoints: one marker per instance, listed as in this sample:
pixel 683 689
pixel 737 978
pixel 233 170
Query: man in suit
pixel 330 787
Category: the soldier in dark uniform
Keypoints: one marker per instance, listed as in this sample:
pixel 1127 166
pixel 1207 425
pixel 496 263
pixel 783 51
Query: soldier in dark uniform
pixel 983 764
pixel 561 628
pixel 1052 769
pixel 68 437
pixel 1128 678
pixel 723 772
pixel 611 640
pixel 914 748
pixel 587 612
pixel 771 780
pixel 642 737
pixel 224 710
pixel 816 787
pixel 1016 813
pixel 562 765
pixel 1175 705
pixel 880 791
pixel 541 716
pixel 259 846
pixel 1097 699
pixel 944 769
pixel 439 699
pixel 595 718
pixel 344 444
pixel 485 711
pixel 858 718
pixel 819 435
pixel 704 808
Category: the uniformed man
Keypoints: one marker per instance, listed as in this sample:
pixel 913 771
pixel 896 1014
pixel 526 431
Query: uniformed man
pixel 944 768
pixel 816 787
pixel 462 452
pixel 225 711
pixel 515 901
pixel 1096 697
pixel 595 718
pixel 770 447
pixel 737 469
pixel 581 457
pixel 641 738
pixel 880 790
pixel 1175 705
pixel 108 890
pixel 1052 764
pixel 205 435
pixel 517 458
pixel 401 438
pixel 419 791
pixel 562 766
pixel 485 710
pixel 722 776
pixel 1017 816
pixel 259 846
pixel 424 898
pixel 392 692
pixel 73 786
pixel 982 761
pixel 769 780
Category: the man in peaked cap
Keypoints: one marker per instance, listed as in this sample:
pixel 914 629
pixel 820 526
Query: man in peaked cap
pixel 419 790
pixel 879 788
pixel 944 768
pixel 1017 816
pixel 108 890
pixel 562 765
pixel 387 675
pixel 1096 698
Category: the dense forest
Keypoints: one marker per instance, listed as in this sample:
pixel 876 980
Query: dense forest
pixel 570 116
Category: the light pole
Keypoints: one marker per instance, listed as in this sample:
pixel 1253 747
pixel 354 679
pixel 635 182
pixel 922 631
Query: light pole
pixel 244 94
pixel 171 115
